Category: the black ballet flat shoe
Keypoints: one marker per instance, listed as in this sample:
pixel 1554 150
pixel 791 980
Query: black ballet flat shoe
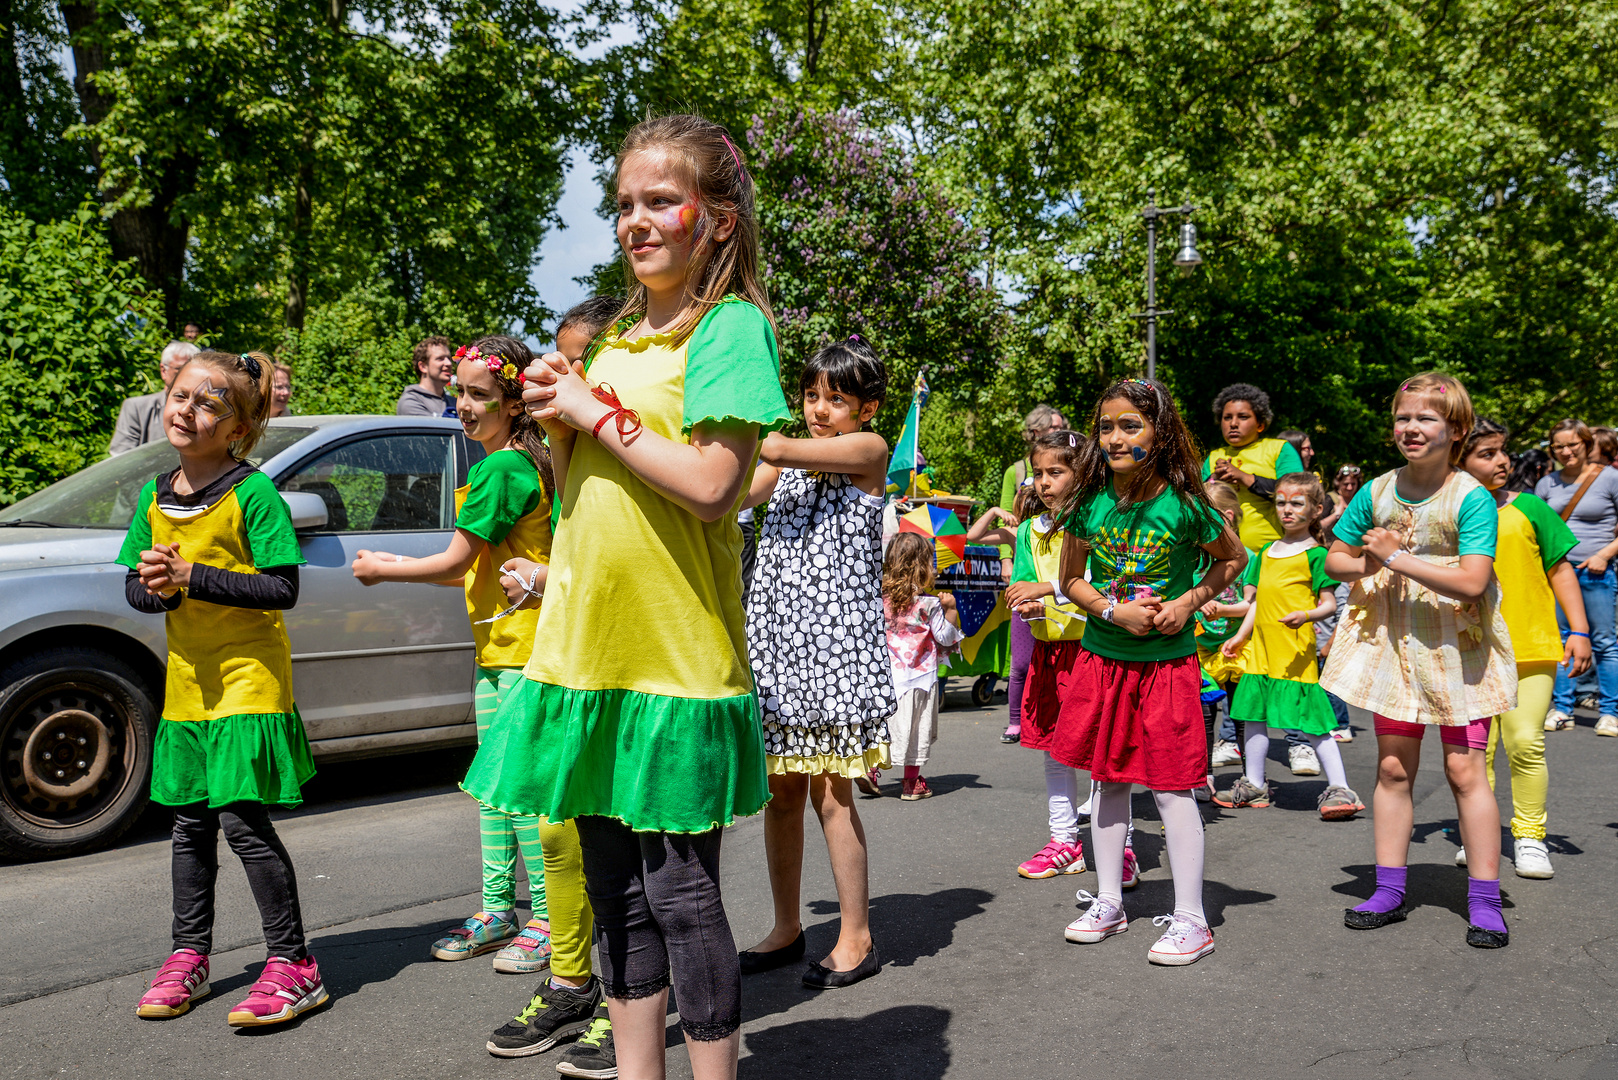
pixel 1373 920
pixel 819 977
pixel 755 962
pixel 1479 938
pixel 1010 737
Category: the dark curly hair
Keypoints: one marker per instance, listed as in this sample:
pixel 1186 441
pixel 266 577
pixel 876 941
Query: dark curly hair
pixel 1258 399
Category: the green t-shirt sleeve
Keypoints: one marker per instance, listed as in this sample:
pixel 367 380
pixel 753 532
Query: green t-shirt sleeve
pixel 1207 467
pixel 270 534
pixel 1206 524
pixel 1008 487
pixel 1250 575
pixel 1022 563
pixel 502 489
pixel 1555 539
pixel 733 369
pixel 1479 523
pixel 139 536
pixel 1317 568
pixel 1357 519
pixel 1287 460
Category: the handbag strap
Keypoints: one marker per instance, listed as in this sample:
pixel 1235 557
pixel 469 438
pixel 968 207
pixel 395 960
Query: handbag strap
pixel 1567 511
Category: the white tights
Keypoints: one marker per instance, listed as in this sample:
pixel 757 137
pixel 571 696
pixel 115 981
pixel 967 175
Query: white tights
pixel 1110 825
pixel 1062 794
pixel 1256 747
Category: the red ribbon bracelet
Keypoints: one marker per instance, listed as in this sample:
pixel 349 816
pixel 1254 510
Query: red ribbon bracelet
pixel 628 421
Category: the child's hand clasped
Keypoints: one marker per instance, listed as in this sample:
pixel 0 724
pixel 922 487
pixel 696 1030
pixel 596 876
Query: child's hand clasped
pixel 1139 617
pixel 1383 543
pixel 1172 617
pixel 1294 619
pixel 514 577
pixel 558 396
pixel 162 570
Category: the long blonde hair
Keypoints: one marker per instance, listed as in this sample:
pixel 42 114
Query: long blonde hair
pixel 908 570
pixel 711 163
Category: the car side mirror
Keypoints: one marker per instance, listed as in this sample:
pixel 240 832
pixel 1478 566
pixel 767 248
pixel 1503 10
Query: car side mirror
pixel 308 510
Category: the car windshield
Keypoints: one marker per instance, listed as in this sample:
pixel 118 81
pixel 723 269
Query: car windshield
pixel 104 495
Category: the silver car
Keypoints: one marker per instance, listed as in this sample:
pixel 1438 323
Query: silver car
pixel 376 670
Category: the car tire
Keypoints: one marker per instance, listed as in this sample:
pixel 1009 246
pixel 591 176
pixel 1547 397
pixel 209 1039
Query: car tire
pixel 983 691
pixel 76 729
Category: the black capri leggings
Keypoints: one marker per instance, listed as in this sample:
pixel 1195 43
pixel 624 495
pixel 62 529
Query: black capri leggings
pixel 252 837
pixel 657 906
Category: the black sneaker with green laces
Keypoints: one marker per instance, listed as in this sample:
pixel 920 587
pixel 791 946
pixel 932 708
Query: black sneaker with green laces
pixel 592 1055
pixel 551 1016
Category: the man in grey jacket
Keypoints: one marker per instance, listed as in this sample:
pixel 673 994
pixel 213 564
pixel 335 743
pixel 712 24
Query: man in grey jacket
pixel 435 365
pixel 140 419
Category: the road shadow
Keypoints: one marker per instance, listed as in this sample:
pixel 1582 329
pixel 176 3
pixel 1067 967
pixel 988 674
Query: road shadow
pixel 1426 885
pixel 941 785
pixel 907 1042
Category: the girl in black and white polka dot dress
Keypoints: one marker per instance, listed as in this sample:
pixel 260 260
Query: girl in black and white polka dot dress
pixel 816 638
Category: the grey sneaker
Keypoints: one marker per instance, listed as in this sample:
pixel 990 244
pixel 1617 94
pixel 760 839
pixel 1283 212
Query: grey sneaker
pixel 593 1055
pixel 1243 793
pixel 551 1016
pixel 1587 701
pixel 1303 761
pixel 1337 803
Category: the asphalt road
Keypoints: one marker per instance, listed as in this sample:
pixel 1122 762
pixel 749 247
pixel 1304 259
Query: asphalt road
pixel 977 979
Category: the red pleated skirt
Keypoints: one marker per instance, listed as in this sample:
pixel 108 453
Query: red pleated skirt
pixel 1133 722
pixel 1047 685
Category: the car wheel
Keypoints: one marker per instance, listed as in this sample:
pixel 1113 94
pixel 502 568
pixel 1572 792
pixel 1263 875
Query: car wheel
pixel 76 728
pixel 983 691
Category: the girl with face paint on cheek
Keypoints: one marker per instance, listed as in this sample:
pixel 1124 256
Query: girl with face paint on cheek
pixel 1144 551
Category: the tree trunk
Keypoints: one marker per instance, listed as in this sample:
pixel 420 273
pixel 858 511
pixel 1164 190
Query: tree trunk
pixel 13 113
pixel 298 270
pixel 153 235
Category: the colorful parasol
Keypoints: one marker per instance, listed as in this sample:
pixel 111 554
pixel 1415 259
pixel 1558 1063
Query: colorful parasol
pixel 943 527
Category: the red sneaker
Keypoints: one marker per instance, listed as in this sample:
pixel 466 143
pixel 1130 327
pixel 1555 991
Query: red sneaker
pixel 182 979
pixel 284 989
pixel 911 790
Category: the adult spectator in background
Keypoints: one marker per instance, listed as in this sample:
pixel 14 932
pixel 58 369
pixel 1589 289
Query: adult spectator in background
pixel 1250 462
pixel 1585 493
pixel 281 397
pixel 192 332
pixel 434 365
pixel 140 419
pixel 1299 441
pixel 1606 451
pixel 1344 486
pixel 1527 468
pixel 1043 419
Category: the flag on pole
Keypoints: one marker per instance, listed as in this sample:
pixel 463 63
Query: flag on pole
pixel 902 467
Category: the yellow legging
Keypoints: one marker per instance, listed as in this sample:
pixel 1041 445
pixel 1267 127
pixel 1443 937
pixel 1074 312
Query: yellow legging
pixel 1523 728
pixel 559 893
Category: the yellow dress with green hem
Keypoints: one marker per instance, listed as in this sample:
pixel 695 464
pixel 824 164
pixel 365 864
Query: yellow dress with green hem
pixel 638 701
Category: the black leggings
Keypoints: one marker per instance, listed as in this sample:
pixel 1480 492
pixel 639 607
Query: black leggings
pixel 252 837
pixel 656 902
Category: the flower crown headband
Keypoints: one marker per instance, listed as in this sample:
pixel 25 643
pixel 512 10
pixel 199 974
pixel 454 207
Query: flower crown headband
pixel 496 363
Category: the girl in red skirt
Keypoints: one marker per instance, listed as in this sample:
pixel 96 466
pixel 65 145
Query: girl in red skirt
pixel 1131 711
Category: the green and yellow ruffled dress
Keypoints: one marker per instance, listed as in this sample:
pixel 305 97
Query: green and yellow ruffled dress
pixel 638 701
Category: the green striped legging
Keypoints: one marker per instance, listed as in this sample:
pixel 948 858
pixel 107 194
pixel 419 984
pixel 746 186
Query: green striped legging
pixel 551 853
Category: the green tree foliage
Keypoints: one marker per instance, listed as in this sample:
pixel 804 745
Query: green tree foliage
pixel 46 175
pixel 78 334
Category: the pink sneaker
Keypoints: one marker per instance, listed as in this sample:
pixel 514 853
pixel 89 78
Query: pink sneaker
pixel 182 979
pixel 284 989
pixel 1103 920
pixel 1184 942
pixel 1054 858
pixel 1131 869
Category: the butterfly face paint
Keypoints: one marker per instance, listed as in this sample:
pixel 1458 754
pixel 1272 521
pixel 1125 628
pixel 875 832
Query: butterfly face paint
pixel 1124 434
pixel 679 223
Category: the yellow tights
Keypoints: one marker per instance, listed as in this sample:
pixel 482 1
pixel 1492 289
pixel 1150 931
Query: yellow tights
pixel 1523 728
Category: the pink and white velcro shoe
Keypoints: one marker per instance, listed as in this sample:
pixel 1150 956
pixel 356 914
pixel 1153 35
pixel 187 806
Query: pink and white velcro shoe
pixel 1131 869
pixel 1184 942
pixel 284 989
pixel 1054 858
pixel 182 979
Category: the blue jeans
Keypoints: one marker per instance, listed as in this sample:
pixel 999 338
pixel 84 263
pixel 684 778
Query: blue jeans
pixel 1600 593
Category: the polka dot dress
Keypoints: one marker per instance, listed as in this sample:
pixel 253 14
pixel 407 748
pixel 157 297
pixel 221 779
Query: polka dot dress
pixel 815 630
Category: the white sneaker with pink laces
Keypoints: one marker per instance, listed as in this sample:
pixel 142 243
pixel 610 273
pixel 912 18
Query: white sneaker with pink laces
pixel 1103 920
pixel 1056 857
pixel 1184 942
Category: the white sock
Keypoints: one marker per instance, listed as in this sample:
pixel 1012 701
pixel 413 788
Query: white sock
pixel 1255 748
pixel 1109 833
pixel 1061 793
pixel 1330 759
pixel 1182 826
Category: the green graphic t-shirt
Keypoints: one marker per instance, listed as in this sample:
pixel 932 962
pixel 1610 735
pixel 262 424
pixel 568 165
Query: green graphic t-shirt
pixel 1155 547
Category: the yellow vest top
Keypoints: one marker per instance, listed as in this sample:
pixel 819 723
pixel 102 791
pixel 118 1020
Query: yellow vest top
pixel 1038 562
pixel 1259 523
pixel 1285 583
pixel 1526 601
pixel 507 642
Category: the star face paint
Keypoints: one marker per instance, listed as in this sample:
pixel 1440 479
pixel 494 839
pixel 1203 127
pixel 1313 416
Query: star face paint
pixel 212 407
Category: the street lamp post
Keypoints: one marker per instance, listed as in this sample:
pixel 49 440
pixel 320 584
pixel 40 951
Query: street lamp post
pixel 1185 257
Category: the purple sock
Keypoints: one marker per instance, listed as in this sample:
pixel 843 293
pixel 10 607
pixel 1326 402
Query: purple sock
pixel 1483 906
pixel 1390 890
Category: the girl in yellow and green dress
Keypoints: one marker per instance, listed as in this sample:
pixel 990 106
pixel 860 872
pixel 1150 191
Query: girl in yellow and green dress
pixel 503 522
pixel 1531 564
pixel 638 718
pixel 212 546
pixel 1288 590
